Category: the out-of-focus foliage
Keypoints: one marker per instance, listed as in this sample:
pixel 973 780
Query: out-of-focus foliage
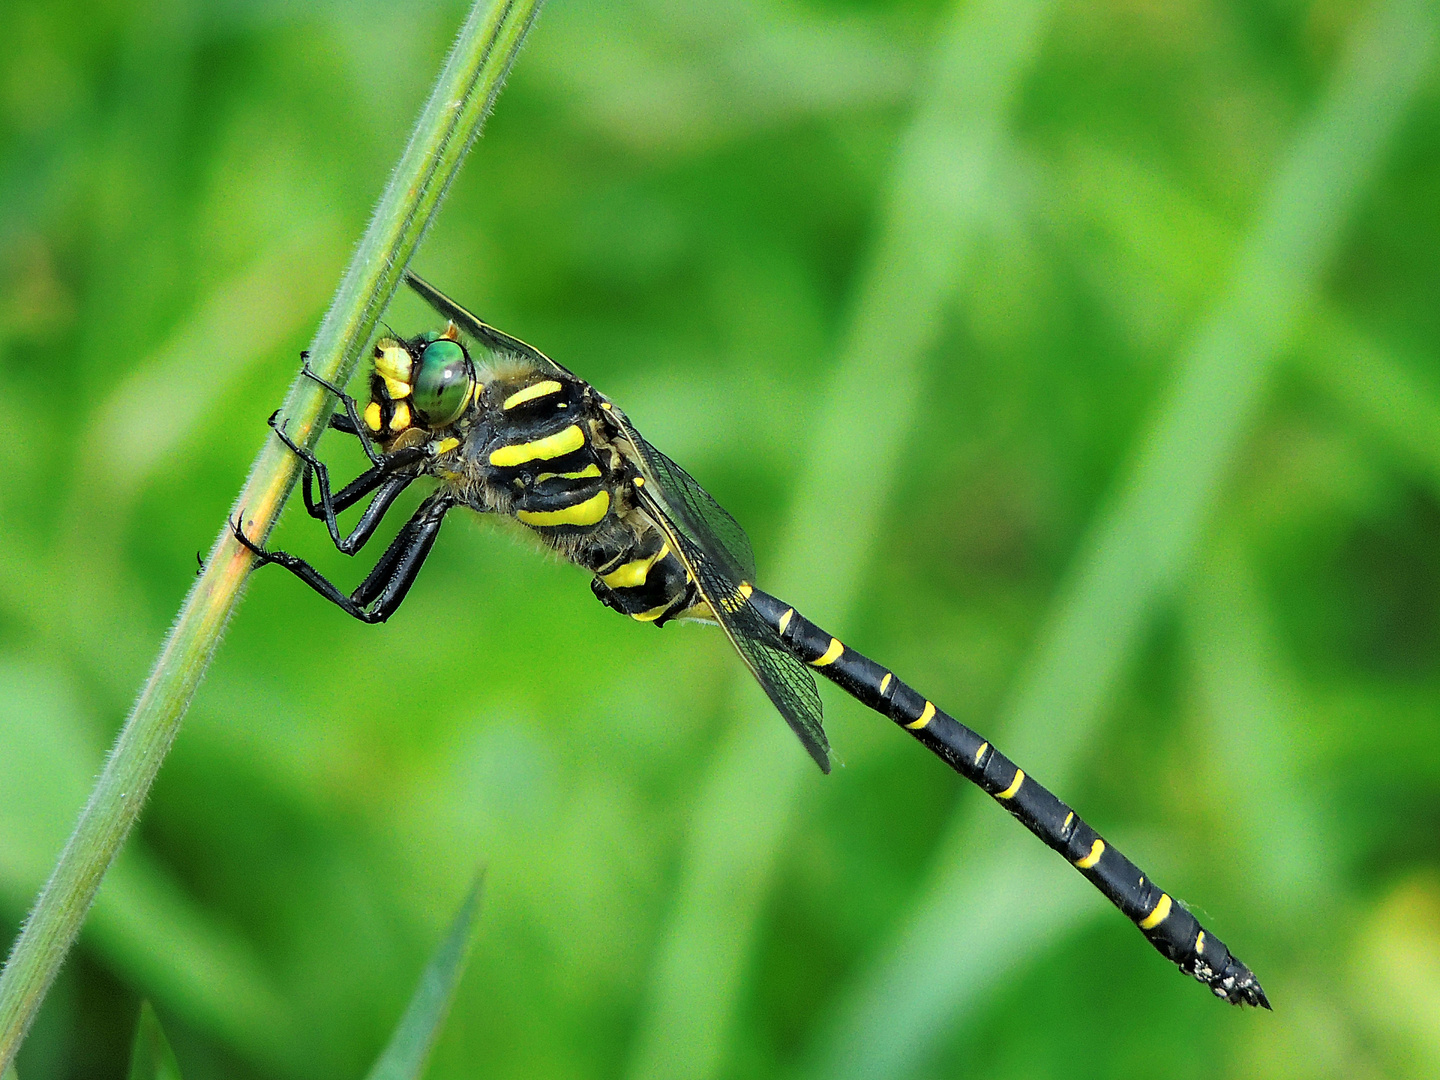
pixel 682 203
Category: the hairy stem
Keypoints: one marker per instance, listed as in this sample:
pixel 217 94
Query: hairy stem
pixel 452 118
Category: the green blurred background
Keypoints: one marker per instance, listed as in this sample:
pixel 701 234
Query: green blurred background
pixel 1077 360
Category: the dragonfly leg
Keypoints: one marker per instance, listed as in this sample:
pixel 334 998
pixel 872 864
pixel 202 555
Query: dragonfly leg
pixel 383 589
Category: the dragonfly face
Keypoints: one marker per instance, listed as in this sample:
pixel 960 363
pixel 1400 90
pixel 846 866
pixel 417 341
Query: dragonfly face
pixel 504 429
pixel 418 388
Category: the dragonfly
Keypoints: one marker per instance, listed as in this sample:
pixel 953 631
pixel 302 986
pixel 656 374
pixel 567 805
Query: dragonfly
pixel 503 429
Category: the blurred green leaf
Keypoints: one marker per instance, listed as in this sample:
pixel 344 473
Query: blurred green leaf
pixel 151 1057
pixel 935 200
pixel 944 962
pixel 409 1048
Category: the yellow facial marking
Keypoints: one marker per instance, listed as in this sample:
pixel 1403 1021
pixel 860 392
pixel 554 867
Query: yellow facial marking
pixel 885 682
pixel 372 416
pixel 397 389
pixel 589 470
pixel 785 619
pixel 551 446
pixel 446 445
pixel 926 715
pixel 1096 850
pixel 401 418
pixel 588 512
pixel 1200 943
pixel 531 392
pixel 746 589
pixel 981 752
pixel 1009 792
pixel 652 614
pixel 1159 915
pixel 830 655
pixel 393 362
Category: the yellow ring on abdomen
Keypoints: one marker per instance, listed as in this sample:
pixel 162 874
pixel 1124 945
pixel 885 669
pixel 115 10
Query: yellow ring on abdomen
pixel 1159 915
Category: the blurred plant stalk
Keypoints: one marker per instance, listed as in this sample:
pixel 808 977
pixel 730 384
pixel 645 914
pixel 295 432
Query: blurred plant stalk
pixel 462 98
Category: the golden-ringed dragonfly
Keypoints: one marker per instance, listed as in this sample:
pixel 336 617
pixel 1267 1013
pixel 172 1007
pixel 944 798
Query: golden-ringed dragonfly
pixel 506 430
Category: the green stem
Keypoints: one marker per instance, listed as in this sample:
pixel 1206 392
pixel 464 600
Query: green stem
pixel 464 93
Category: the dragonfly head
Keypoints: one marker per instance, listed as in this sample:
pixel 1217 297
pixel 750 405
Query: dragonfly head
pixel 419 386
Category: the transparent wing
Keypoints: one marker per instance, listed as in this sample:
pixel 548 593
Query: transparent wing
pixel 476 327
pixel 716 551
pixel 707 523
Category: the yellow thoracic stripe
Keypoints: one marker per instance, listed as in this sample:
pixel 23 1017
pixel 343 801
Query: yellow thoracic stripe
pixel 551 446
pixel 1096 850
pixel 588 512
pixel 830 655
pixel 589 470
pixel 1159 915
pixel 633 573
pixel 531 392
pixel 926 715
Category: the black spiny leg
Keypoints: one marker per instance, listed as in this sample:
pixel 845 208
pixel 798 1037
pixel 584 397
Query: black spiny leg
pixel 350 424
pixel 390 476
pixel 380 594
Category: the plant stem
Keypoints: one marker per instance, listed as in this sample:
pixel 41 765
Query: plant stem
pixel 464 93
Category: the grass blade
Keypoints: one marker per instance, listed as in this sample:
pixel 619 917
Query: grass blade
pixel 463 95
pixel 409 1048
pixel 942 963
pixel 151 1057
pixel 935 198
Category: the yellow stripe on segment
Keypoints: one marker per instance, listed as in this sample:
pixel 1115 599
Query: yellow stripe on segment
pixel 1200 944
pixel 746 589
pixel 372 416
pixel 589 470
pixel 1009 792
pixel 926 715
pixel 1096 850
pixel 785 619
pixel 531 392
pixel 1068 818
pixel 633 573
pixel 981 752
pixel 639 481
pixel 1159 915
pixel 885 682
pixel 830 655
pixel 551 446
pixel 651 615
pixel 588 512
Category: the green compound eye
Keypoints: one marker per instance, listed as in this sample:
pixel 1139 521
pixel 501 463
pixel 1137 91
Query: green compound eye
pixel 442 383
